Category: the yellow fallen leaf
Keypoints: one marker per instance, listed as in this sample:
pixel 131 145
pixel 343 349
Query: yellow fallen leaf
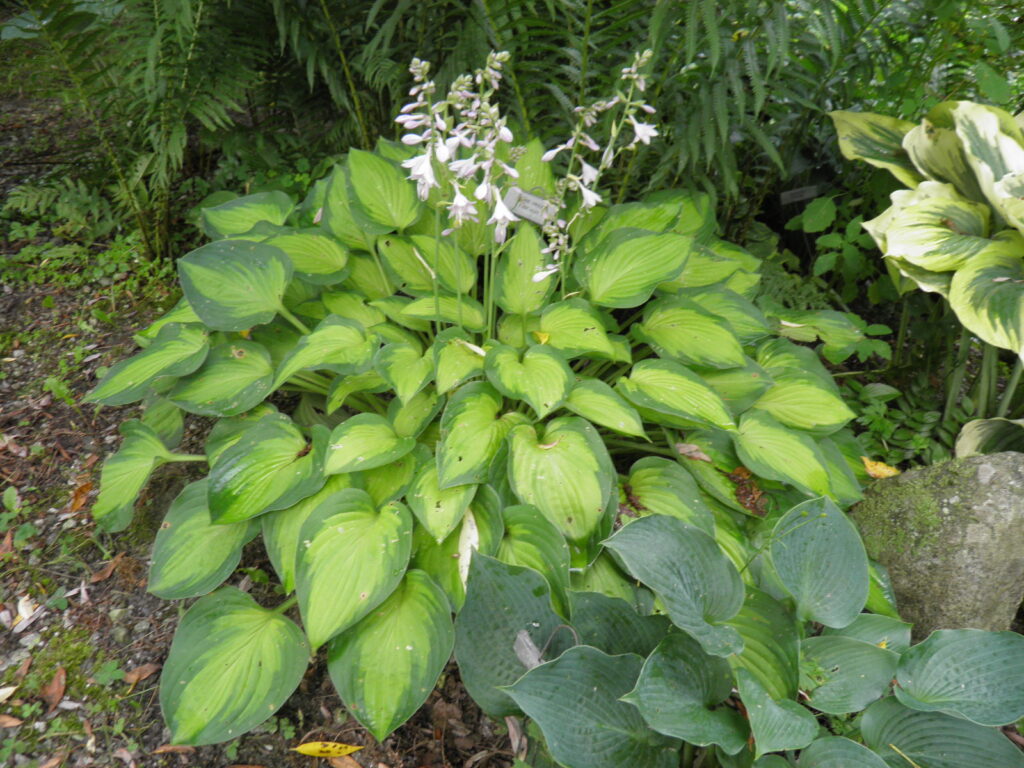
pixel 878 469
pixel 325 749
pixel 541 336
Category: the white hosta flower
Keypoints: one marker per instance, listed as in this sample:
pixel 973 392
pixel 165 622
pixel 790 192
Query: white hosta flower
pixel 544 273
pixel 462 208
pixel 590 198
pixel 483 192
pixel 588 173
pixel 465 168
pixel 644 132
pixel 550 155
pixel 421 170
pixel 501 218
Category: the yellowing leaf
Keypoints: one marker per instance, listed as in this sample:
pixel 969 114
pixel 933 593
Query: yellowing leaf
pixel 325 749
pixel 878 469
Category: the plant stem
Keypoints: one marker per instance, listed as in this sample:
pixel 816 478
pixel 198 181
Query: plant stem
pixel 286 604
pixel 989 361
pixel 187 457
pixel 349 80
pixel 1011 389
pixel 299 325
pixel 956 379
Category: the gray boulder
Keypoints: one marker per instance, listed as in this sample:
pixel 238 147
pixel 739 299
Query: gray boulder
pixel 952 537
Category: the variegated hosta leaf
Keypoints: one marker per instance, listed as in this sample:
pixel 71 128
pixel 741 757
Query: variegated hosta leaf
pixel 343 386
pixel 472 432
pixel 165 419
pixel 177 350
pixel 539 376
pixel 516 291
pixel 626 267
pixel 684 331
pixel 125 474
pixel 227 432
pixel 353 306
pixel 877 140
pixel 422 262
pixel 235 377
pixel 439 510
pixel 181 312
pixel 533 541
pixel 771 450
pixel 799 400
pixel 597 402
pixel 411 418
pixel 658 486
pixel 386 665
pixel 669 388
pixel 336 214
pixel 238 216
pixel 742 316
pixel 270 467
pixel 463 311
pixel 771 644
pixel 316 258
pixel 939 235
pixel 1010 191
pixel 234 284
pixel 739 388
pixel 191 555
pixel 336 344
pixel 574 328
pixel 456 359
pixel 777 724
pixel 394 308
pixel 364 442
pixel 988 296
pixel 227 644
pixel 938 153
pixel 404 368
pixel 390 482
pixel 993 143
pixel 382 190
pixel 351 557
pixel 567 474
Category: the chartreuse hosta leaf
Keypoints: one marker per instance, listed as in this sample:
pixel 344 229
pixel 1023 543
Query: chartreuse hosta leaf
pixel 877 140
pixel 626 267
pixel 227 644
pixel 386 665
pixel 317 258
pixel 697 583
pixel 336 344
pixel 597 402
pixel 771 645
pixel 472 432
pixel 987 297
pixel 531 540
pixel 352 555
pixel 456 359
pixel 507 611
pixel 845 675
pixel 678 694
pixel 438 510
pixel 539 376
pixel 801 401
pixel 177 350
pixel 364 442
pixel 457 310
pixel 405 368
pixel 235 377
pixel 975 674
pixel 574 328
pixel 938 234
pixel 744 319
pixel 839 752
pixel 382 190
pixel 671 389
pixel 566 473
pixel 819 557
pixel 516 291
pixel 576 701
pixel 933 739
pixel 684 331
pixel 352 306
pixel 777 725
pixel 238 216
pixel 181 312
pixel 421 262
pixel 234 284
pixel 771 450
pixel 191 555
pixel 658 486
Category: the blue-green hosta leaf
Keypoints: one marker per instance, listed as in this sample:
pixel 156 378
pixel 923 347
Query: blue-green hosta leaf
pixel 225 644
pixel 800 401
pixel 567 473
pixel 336 344
pixel 177 350
pixel 125 474
pixel 315 257
pixel 771 644
pixel 472 432
pixel 165 419
pixel 420 262
pixel 456 359
pixel 674 390
pixel 771 450
pixel 934 740
pixel 597 402
pixel 881 631
pixel 505 607
pixel 819 557
pixel 464 311
pixel 777 724
pixel 386 665
pixel 382 190
pixel 698 584
pixel 684 331
pixel 439 510
pixel 411 418
pixel 679 693
pixel 531 540
pixel 234 284
pixel 938 234
pixel 238 216
pixel 191 555
pixel 626 267
pixel 839 752
pixel 877 140
pixel 987 297
pixel 993 143
pixel 658 486
pixel 235 377
pixel 846 674
pixel 574 328
pixel 352 555
pixel 516 291
pixel 842 477
pixel 539 376
pixel 975 674
pixel 576 701
pixel 364 442
pixel 405 368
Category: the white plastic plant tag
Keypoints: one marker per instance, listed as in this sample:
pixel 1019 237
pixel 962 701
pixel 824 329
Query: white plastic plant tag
pixel 529 206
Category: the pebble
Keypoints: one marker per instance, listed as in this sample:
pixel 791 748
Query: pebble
pixel 141 628
pixel 31 640
pixel 120 635
pixel 116 614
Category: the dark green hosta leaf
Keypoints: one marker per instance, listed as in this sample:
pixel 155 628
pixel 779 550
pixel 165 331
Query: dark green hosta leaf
pixel 982 436
pixel 191 555
pixel 125 474
pixel 847 674
pixel 316 258
pixel 934 740
pixel 364 442
pixel 235 377
pixel 626 267
pixel 697 583
pixel 336 344
pixel 472 432
pixel 839 752
pixel 987 297
pixel 771 644
pixel 597 402
pixel 177 350
pixel 238 216
pixel 227 644
pixel 658 486
pixel 574 328
pixel 819 557
pixel 877 140
pixel 457 310
pixel 235 284
pixel 505 607
pixel 575 700
pixel 975 674
pixel 439 510
pixel 800 401
pixel 531 540
pixel 516 291
pixel 382 190
pixel 771 450
pixel 614 626
pixel 456 359
pixel 777 724
pixel 539 376
pixel 682 330
pixel 352 555
pixel 882 631
pixel 671 389
pixel 679 693
pixel 386 665
pixel 567 474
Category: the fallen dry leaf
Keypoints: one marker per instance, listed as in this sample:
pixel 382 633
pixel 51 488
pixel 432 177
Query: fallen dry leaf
pixel 878 469
pixel 126 756
pixel 23 669
pixel 7 547
pixel 139 674
pixel 343 762
pixel 691 451
pixel 91 461
pixel 56 760
pixel 107 570
pixel 53 692
pixel 6 721
pixel 181 749
pixel 79 497
pixel 6 692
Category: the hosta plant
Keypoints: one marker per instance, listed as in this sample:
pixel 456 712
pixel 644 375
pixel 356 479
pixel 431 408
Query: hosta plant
pixel 417 389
